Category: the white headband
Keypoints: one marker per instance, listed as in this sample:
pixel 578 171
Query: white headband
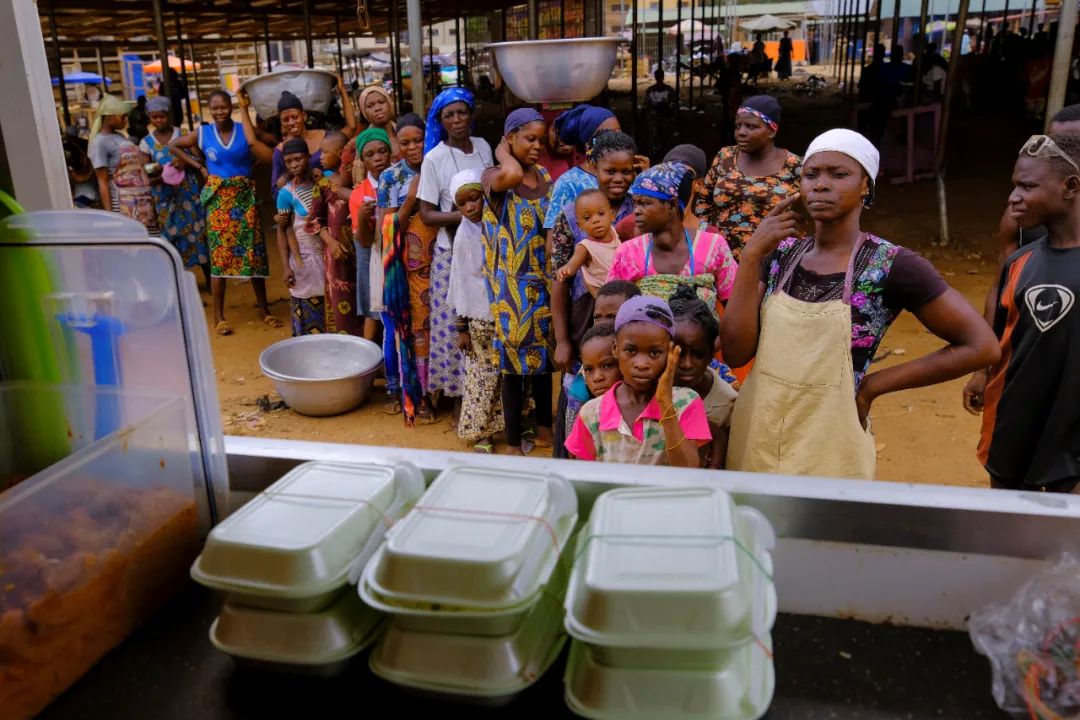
pixel 850 143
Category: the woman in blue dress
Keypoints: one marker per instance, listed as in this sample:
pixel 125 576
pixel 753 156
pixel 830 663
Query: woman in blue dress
pixel 236 243
pixel 180 214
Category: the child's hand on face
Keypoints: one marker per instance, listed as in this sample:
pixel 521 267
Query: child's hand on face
pixel 667 379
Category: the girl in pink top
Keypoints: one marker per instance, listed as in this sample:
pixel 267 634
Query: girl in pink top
pixel 668 255
pixel 644 419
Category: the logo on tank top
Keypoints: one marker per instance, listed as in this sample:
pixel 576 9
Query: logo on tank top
pixel 1048 304
pixel 212 154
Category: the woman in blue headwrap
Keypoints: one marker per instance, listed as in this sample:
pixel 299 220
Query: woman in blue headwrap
pixel 180 214
pixel 577 127
pixel 517 197
pixel 450 148
pixel 667 254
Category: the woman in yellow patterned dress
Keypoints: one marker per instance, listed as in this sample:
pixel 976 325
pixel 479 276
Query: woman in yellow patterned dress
pixel 517 195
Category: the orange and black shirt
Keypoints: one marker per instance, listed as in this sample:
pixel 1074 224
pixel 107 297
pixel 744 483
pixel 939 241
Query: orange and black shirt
pixel 1031 421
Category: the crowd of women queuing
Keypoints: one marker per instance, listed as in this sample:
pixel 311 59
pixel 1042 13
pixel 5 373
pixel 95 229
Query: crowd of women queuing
pixel 716 315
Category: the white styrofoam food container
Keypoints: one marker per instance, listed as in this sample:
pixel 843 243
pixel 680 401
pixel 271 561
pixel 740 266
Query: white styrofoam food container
pixel 490 669
pixel 740 690
pixel 668 568
pixel 426 618
pixel 319 643
pixel 478 538
pixel 300 542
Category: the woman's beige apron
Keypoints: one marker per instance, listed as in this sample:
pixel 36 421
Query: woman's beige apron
pixel 796 413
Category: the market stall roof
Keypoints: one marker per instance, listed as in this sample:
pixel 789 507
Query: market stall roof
pixel 131 22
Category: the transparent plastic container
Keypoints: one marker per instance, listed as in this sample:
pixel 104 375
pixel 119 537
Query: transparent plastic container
pixel 320 643
pixel 300 542
pixel 491 669
pixel 101 303
pixel 478 538
pixel 742 689
pixel 679 569
pixel 92 544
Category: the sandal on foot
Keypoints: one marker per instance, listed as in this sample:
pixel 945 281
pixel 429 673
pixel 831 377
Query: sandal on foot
pixel 426 417
pixel 223 328
pixel 271 321
pixel 484 448
pixel 392 406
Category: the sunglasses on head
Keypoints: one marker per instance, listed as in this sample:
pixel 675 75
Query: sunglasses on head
pixel 1043 146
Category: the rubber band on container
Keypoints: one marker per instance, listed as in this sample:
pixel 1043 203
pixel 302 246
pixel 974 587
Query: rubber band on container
pixel 379 511
pixel 715 538
pixel 496 514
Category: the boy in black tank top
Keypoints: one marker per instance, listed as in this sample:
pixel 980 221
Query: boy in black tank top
pixel 1031 423
pixel 1011 238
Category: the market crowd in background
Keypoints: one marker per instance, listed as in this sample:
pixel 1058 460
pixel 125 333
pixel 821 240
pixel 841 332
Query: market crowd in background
pixel 565 290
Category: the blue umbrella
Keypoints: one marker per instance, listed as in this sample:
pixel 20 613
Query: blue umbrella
pixel 85 78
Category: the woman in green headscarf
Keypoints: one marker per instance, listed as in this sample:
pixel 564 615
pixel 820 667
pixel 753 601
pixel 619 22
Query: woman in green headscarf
pixel 121 174
pixel 373 150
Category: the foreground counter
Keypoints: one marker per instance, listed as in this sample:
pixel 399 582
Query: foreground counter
pixel 874 580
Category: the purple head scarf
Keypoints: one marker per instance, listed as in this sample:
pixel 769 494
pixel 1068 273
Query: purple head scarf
pixel 520 118
pixel 646 309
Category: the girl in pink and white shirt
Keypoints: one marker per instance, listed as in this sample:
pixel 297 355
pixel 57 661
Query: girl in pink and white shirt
pixel 644 419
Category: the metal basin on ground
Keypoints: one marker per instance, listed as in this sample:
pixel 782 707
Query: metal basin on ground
pixel 315 89
pixel 322 374
pixel 556 71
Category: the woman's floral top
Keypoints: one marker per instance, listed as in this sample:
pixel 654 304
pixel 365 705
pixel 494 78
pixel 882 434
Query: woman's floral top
pixel 737 203
pixel 886 280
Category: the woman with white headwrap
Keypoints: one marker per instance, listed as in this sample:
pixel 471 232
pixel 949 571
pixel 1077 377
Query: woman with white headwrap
pixel 175 190
pixel 812 311
pixel 123 183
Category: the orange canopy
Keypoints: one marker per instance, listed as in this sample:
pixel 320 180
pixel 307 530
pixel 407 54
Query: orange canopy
pixel 174 63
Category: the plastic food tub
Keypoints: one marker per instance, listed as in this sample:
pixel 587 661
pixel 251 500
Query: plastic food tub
pixel 741 690
pixel 424 618
pixel 319 643
pixel 298 544
pixel 679 569
pixel 479 538
pixel 490 669
pixel 91 544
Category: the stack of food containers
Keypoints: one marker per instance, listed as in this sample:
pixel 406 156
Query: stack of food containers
pixel 287 561
pixel 670 606
pixel 473 579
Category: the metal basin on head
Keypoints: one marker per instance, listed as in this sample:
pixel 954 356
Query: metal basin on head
pixel 322 374
pixel 315 89
pixel 556 71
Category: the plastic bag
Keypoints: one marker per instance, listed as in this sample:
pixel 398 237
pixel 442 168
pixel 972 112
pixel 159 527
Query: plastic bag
pixel 1033 643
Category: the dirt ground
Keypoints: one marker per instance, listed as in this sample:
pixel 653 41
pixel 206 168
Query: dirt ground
pixel 923 435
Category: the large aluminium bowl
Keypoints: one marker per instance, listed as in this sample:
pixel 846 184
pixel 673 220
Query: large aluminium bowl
pixel 315 88
pixel 322 374
pixel 556 71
